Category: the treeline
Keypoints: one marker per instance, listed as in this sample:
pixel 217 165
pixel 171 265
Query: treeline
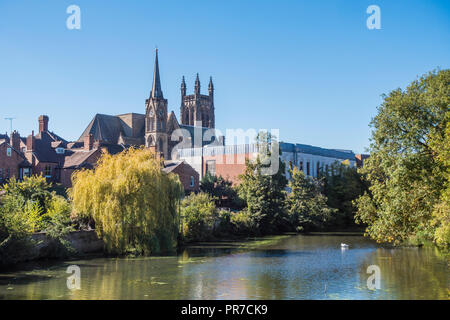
pixel 263 204
pixel 401 194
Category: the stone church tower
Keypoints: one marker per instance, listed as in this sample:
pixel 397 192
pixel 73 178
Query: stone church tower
pixel 196 108
pixel 156 116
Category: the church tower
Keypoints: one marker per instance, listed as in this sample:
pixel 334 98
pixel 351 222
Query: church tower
pixel 156 116
pixel 197 108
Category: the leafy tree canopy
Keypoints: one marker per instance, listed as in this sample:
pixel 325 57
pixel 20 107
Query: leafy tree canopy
pixel 132 201
pixel 407 167
pixel 307 206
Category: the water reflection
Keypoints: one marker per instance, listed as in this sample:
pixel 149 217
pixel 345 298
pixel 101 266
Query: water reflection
pixel 297 267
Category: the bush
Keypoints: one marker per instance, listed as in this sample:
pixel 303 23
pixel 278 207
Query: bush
pixel 57 224
pixel 199 215
pixel 242 224
pixel 27 207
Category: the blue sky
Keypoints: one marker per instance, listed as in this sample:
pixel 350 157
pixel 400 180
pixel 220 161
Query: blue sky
pixel 310 68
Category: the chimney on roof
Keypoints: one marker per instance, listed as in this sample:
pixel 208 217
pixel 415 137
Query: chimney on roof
pixel 43 123
pixel 15 140
pixel 88 142
pixel 31 141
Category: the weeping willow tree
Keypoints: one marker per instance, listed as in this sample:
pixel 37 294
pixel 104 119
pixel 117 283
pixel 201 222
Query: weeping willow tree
pixel 131 200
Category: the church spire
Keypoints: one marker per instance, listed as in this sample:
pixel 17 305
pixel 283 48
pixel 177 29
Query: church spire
pixel 156 88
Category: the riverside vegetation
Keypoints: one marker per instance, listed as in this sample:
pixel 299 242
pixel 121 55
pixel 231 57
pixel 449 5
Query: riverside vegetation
pixel 400 195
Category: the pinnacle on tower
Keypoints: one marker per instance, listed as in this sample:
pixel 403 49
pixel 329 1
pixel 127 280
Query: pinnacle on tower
pixel 210 86
pixel 197 85
pixel 183 87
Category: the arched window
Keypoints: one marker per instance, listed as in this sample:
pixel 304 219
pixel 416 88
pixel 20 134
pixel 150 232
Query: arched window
pixel 161 145
pixel 149 141
pixel 192 181
pixel 151 124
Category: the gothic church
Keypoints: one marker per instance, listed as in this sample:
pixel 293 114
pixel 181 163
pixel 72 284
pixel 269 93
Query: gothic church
pixel 155 129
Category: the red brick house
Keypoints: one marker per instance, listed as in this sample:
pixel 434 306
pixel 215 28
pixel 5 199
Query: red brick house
pixel 189 178
pixel 12 161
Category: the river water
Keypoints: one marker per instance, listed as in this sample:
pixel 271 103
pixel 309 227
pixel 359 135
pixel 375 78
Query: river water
pixel 288 267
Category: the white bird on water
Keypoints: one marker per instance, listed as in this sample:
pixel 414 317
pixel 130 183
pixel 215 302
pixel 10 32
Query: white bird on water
pixel 343 245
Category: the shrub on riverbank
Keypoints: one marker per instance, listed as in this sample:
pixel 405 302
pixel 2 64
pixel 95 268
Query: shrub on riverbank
pixel 26 207
pixel 132 201
pixel 199 215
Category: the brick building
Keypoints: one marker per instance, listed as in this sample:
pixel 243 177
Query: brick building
pixel 189 178
pixel 12 162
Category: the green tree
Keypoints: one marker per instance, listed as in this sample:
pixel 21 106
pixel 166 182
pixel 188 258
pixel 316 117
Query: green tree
pixel 221 190
pixel 342 185
pixel 132 201
pixel 34 188
pixel 440 143
pixel 199 214
pixel 307 206
pixel 405 173
pixel 263 189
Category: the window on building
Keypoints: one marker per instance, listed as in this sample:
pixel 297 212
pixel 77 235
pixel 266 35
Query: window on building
pixel 25 172
pixel 290 165
pixel 326 169
pixel 318 169
pixel 7 173
pixel 307 168
pixel 9 152
pixel 48 171
pixel 301 165
pixel 1 174
pixel 192 181
pixel 24 149
pixel 60 150
pixel 211 167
